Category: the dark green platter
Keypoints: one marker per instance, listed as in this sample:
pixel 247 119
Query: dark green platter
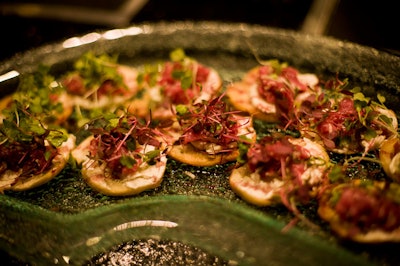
pixel 65 222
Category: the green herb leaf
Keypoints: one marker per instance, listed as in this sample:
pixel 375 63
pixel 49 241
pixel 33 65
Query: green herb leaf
pixel 96 69
pixel 177 55
pixel 381 98
pixel 127 161
pixel 186 82
pixel 182 109
pixel 151 156
pixel 131 144
pixel 57 137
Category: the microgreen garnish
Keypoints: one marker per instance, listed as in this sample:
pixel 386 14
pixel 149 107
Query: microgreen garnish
pixel 38 92
pixel 120 143
pixel 25 143
pixel 179 80
pixel 345 119
pixel 177 55
pixel 97 69
pixel 210 122
pixel 95 76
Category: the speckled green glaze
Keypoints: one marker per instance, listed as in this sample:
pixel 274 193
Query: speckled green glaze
pixel 65 222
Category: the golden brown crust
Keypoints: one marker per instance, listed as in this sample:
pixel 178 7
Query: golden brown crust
pixel 190 155
pixel 342 229
pixel 252 75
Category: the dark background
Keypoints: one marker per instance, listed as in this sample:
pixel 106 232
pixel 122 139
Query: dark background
pixel 370 23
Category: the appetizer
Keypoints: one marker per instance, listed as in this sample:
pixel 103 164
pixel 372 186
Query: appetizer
pixel 285 137
pixel 344 120
pixel 268 91
pixel 210 134
pixel 31 154
pixel 98 83
pixel 181 80
pixel 122 157
pixel 363 211
pixel 42 96
pixel 280 167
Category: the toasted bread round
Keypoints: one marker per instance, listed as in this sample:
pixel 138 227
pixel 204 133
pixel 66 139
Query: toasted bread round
pixel 250 186
pixel 99 177
pixel 342 229
pixel 201 153
pixel 190 155
pixel 145 179
pixel 351 230
pixel 245 96
pixel 58 165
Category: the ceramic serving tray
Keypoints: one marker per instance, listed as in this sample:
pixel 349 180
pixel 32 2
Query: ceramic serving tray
pixel 66 222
